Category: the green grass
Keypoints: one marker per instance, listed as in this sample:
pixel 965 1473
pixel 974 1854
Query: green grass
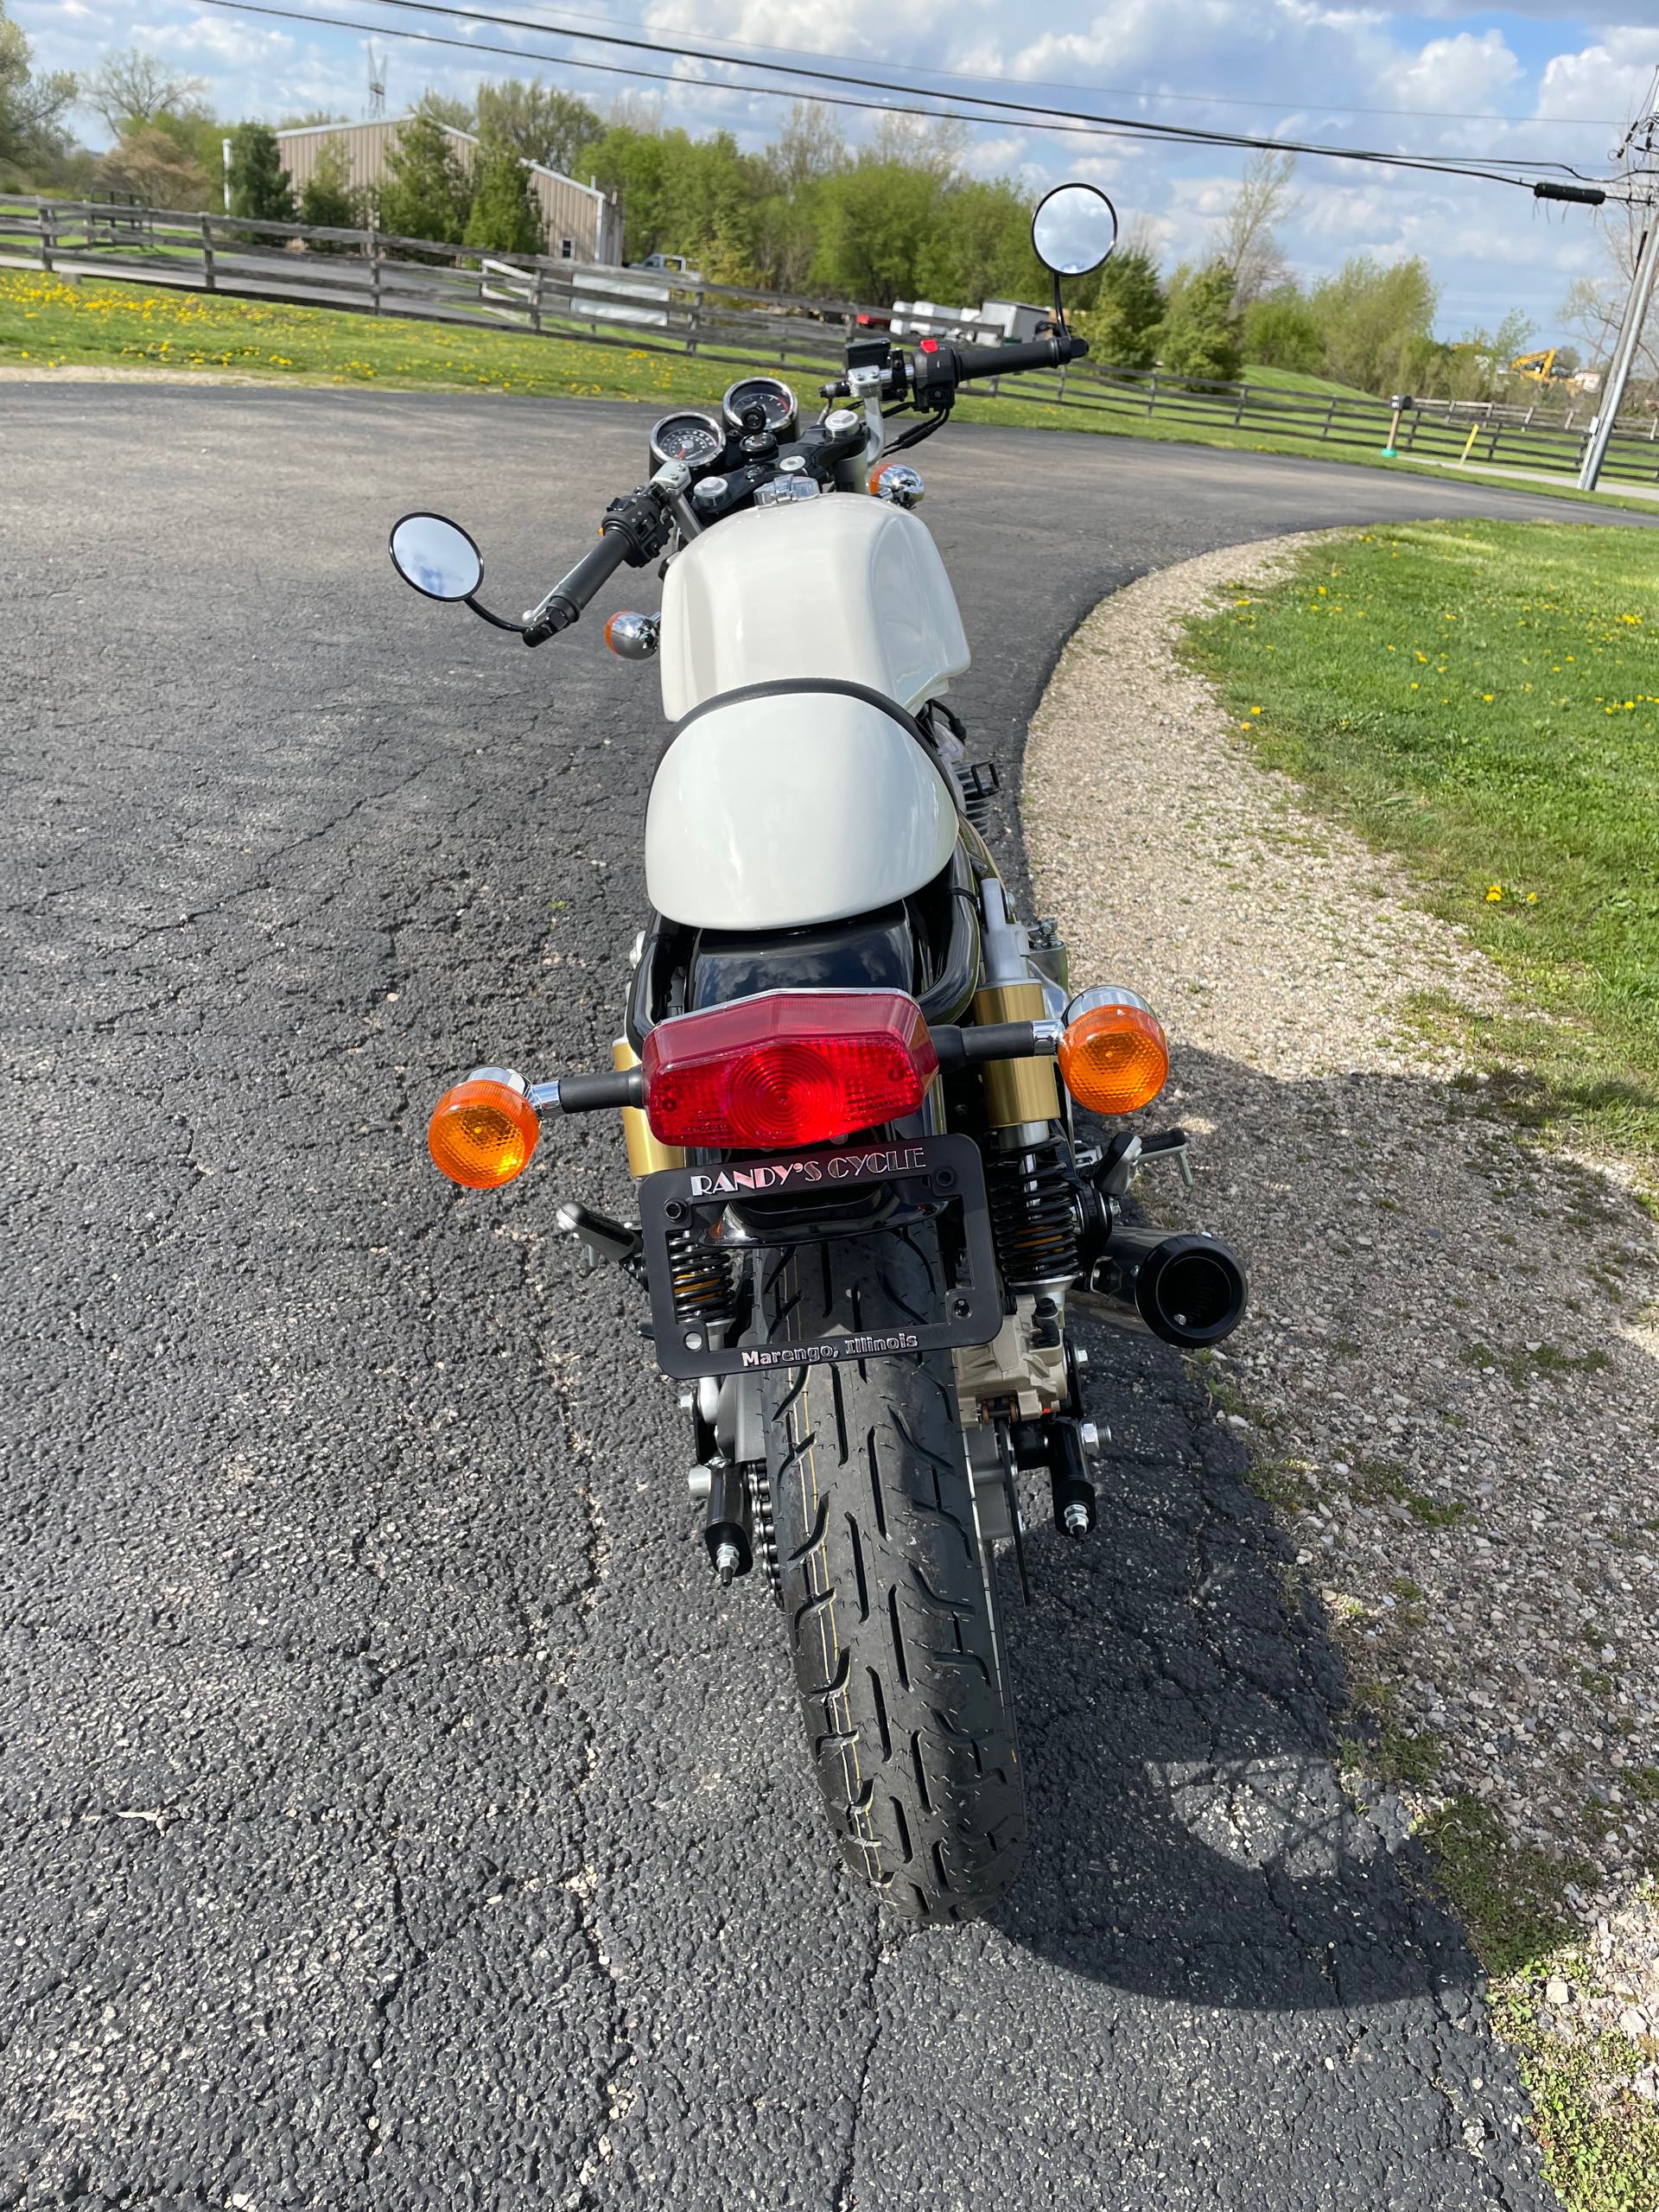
pixel 1269 379
pixel 46 321
pixel 1600 2142
pixel 1482 699
pixel 43 319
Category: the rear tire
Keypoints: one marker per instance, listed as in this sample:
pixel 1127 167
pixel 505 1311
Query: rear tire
pixel 887 1590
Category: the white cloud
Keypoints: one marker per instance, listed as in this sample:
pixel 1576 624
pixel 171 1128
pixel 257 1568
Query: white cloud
pixel 1464 71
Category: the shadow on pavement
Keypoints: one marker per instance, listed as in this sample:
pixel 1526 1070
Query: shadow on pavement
pixel 1191 1836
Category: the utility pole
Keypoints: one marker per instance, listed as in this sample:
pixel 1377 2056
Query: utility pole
pixel 1641 134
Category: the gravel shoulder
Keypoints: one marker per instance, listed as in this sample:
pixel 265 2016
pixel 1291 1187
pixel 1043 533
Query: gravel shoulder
pixel 1450 1380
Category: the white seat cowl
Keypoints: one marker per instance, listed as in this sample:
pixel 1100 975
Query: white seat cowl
pixel 793 808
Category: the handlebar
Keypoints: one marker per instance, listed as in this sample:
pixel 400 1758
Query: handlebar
pixel 937 367
pixel 634 529
pixel 564 603
pixel 1006 360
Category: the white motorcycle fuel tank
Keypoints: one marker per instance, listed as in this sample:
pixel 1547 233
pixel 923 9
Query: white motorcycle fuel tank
pixel 792 808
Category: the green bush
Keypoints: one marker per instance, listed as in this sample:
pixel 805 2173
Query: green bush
pixel 1282 332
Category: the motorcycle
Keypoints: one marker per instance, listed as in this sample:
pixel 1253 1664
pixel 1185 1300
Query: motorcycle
pixel 866 1206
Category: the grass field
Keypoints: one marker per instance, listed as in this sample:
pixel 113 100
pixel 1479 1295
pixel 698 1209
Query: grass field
pixel 1483 698
pixel 1267 379
pixel 46 322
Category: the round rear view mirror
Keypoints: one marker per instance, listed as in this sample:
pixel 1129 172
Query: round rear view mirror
pixel 436 557
pixel 1074 229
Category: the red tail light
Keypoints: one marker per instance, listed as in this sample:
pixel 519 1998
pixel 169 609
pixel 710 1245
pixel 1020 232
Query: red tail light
pixel 787 1067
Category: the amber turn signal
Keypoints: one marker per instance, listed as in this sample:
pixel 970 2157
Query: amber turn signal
pixel 482 1132
pixel 1114 1056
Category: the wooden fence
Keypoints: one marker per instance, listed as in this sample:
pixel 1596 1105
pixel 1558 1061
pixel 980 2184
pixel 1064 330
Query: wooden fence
pixel 375 272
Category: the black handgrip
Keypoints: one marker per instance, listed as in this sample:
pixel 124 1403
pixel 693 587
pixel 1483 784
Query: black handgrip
pixel 589 1094
pixel 564 603
pixel 1007 360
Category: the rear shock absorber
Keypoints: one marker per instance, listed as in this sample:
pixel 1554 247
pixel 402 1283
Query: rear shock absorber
pixel 1034 1214
pixel 700 1274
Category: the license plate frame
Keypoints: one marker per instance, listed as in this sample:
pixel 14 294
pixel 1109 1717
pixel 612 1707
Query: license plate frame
pixel 944 1174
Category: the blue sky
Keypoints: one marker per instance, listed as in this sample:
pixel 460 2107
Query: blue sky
pixel 1528 82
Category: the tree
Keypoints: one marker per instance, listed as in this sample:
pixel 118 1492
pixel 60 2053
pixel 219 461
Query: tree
pixel 261 188
pixel 1594 306
pixel 1122 327
pixel 426 195
pixel 156 168
pixel 31 107
pixel 877 225
pixel 1199 335
pixel 934 144
pixel 1249 248
pixel 327 199
pixel 131 87
pixel 504 217
pixel 540 122
pixel 1282 332
pixel 680 194
pixel 1377 321
pixel 810 146
pixel 444 107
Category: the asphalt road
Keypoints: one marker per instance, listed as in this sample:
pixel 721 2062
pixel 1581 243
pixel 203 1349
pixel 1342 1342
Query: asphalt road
pixel 395 1812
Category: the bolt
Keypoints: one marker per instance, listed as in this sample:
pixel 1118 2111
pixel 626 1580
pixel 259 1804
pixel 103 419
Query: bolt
pixel 726 1563
pixel 699 1482
pixel 1080 1359
pixel 1089 1436
pixel 1077 1518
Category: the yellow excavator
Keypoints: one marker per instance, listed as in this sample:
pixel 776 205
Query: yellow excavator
pixel 1542 365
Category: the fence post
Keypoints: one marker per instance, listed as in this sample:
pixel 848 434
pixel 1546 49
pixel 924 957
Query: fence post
pixel 48 221
pixel 536 280
pixel 1152 393
pixel 374 272
pixel 1330 415
pixel 209 281
pixel 695 322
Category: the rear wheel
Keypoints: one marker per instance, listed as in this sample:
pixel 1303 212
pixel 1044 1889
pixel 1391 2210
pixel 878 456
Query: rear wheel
pixel 887 1590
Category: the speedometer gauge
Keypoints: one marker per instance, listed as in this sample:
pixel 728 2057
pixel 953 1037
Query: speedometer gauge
pixel 768 393
pixel 694 439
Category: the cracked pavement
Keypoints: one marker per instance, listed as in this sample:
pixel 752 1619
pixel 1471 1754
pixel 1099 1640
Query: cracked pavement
pixel 396 1813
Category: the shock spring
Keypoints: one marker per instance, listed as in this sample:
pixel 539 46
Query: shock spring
pixel 701 1275
pixel 1034 1214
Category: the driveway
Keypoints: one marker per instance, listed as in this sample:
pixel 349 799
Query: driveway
pixel 396 1812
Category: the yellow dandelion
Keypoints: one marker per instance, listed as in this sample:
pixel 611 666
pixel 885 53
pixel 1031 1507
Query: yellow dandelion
pixel 1255 710
pixel 1494 894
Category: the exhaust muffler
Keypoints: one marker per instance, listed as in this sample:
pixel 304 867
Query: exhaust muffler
pixel 1188 1290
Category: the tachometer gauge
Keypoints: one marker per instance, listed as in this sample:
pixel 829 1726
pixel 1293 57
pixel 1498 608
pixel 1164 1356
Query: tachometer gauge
pixel 768 392
pixel 694 439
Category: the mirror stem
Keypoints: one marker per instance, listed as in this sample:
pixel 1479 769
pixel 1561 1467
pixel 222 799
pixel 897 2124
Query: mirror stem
pixel 1059 308
pixel 498 621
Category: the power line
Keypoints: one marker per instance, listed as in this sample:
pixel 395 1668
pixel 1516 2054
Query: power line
pixel 1140 126
pixel 1484 169
pixel 744 47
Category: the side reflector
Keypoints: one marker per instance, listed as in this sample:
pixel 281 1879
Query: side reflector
pixel 482 1133
pixel 787 1067
pixel 1114 1056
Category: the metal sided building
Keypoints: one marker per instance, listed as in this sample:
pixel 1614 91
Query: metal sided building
pixel 581 222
